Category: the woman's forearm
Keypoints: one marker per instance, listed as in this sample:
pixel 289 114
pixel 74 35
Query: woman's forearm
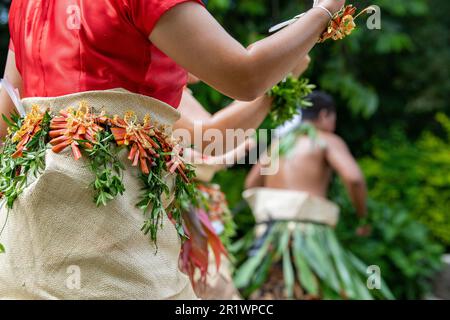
pixel 194 39
pixel 276 56
pixel 238 115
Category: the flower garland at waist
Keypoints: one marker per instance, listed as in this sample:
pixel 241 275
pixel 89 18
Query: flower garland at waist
pixel 100 138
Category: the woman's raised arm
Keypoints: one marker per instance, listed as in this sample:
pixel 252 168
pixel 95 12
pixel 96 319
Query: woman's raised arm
pixel 194 39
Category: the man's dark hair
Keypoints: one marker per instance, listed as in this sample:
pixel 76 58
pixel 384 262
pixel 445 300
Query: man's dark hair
pixel 320 101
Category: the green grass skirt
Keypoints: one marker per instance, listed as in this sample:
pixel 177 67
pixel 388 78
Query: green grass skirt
pixel 297 260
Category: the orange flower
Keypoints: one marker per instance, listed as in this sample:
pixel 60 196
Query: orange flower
pixel 128 132
pixel 30 126
pixel 143 140
pixel 174 162
pixel 348 24
pixel 71 126
pixel 341 25
pixel 216 201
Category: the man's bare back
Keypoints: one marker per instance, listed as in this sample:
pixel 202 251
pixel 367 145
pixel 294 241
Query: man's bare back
pixel 309 167
pixel 305 168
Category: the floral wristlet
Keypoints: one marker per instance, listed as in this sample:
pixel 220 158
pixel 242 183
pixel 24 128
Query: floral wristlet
pixel 341 24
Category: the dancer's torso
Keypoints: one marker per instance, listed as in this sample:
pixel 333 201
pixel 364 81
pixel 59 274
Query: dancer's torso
pixel 305 168
pixel 69 46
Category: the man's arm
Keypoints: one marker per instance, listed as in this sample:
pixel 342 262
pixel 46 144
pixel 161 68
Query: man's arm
pixel 341 160
pixel 13 76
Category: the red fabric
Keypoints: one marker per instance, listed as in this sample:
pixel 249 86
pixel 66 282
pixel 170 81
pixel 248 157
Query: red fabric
pixel 68 46
pixel 11 45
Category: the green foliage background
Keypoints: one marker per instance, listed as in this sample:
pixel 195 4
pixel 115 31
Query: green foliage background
pixel 390 85
pixel 417 175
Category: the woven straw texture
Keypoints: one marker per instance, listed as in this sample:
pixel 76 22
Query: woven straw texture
pixel 61 246
pixel 276 204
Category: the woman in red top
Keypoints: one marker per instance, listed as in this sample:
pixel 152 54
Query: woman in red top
pixel 62 47
pixel 63 52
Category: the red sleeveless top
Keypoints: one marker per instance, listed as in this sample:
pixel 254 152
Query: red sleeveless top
pixel 68 46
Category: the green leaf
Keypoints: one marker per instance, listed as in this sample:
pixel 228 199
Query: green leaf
pixel 260 275
pixel 9 122
pixel 288 97
pixel 316 253
pixel 246 270
pixel 342 267
pixel 304 273
pixel 288 274
pixel 283 240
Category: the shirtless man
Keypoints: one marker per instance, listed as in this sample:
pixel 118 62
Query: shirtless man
pixel 244 115
pixel 293 203
pixel 310 165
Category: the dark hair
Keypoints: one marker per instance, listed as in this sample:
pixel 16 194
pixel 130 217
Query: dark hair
pixel 320 101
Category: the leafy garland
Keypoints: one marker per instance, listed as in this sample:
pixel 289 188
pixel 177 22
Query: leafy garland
pixel 288 98
pixel 312 263
pixel 288 141
pixel 107 168
pixel 17 163
pixel 289 95
pixel 100 138
pixel 23 155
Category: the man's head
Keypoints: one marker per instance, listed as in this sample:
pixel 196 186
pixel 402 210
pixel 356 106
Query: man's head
pixel 322 113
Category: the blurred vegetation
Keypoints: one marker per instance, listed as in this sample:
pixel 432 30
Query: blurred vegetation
pixel 417 175
pixel 392 88
pixel 401 246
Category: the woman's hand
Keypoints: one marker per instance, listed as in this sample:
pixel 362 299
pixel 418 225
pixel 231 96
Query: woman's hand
pixel 332 5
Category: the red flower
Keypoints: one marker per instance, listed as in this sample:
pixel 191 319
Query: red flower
pixel 194 252
pixel 143 140
pixel 128 132
pixel 72 126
